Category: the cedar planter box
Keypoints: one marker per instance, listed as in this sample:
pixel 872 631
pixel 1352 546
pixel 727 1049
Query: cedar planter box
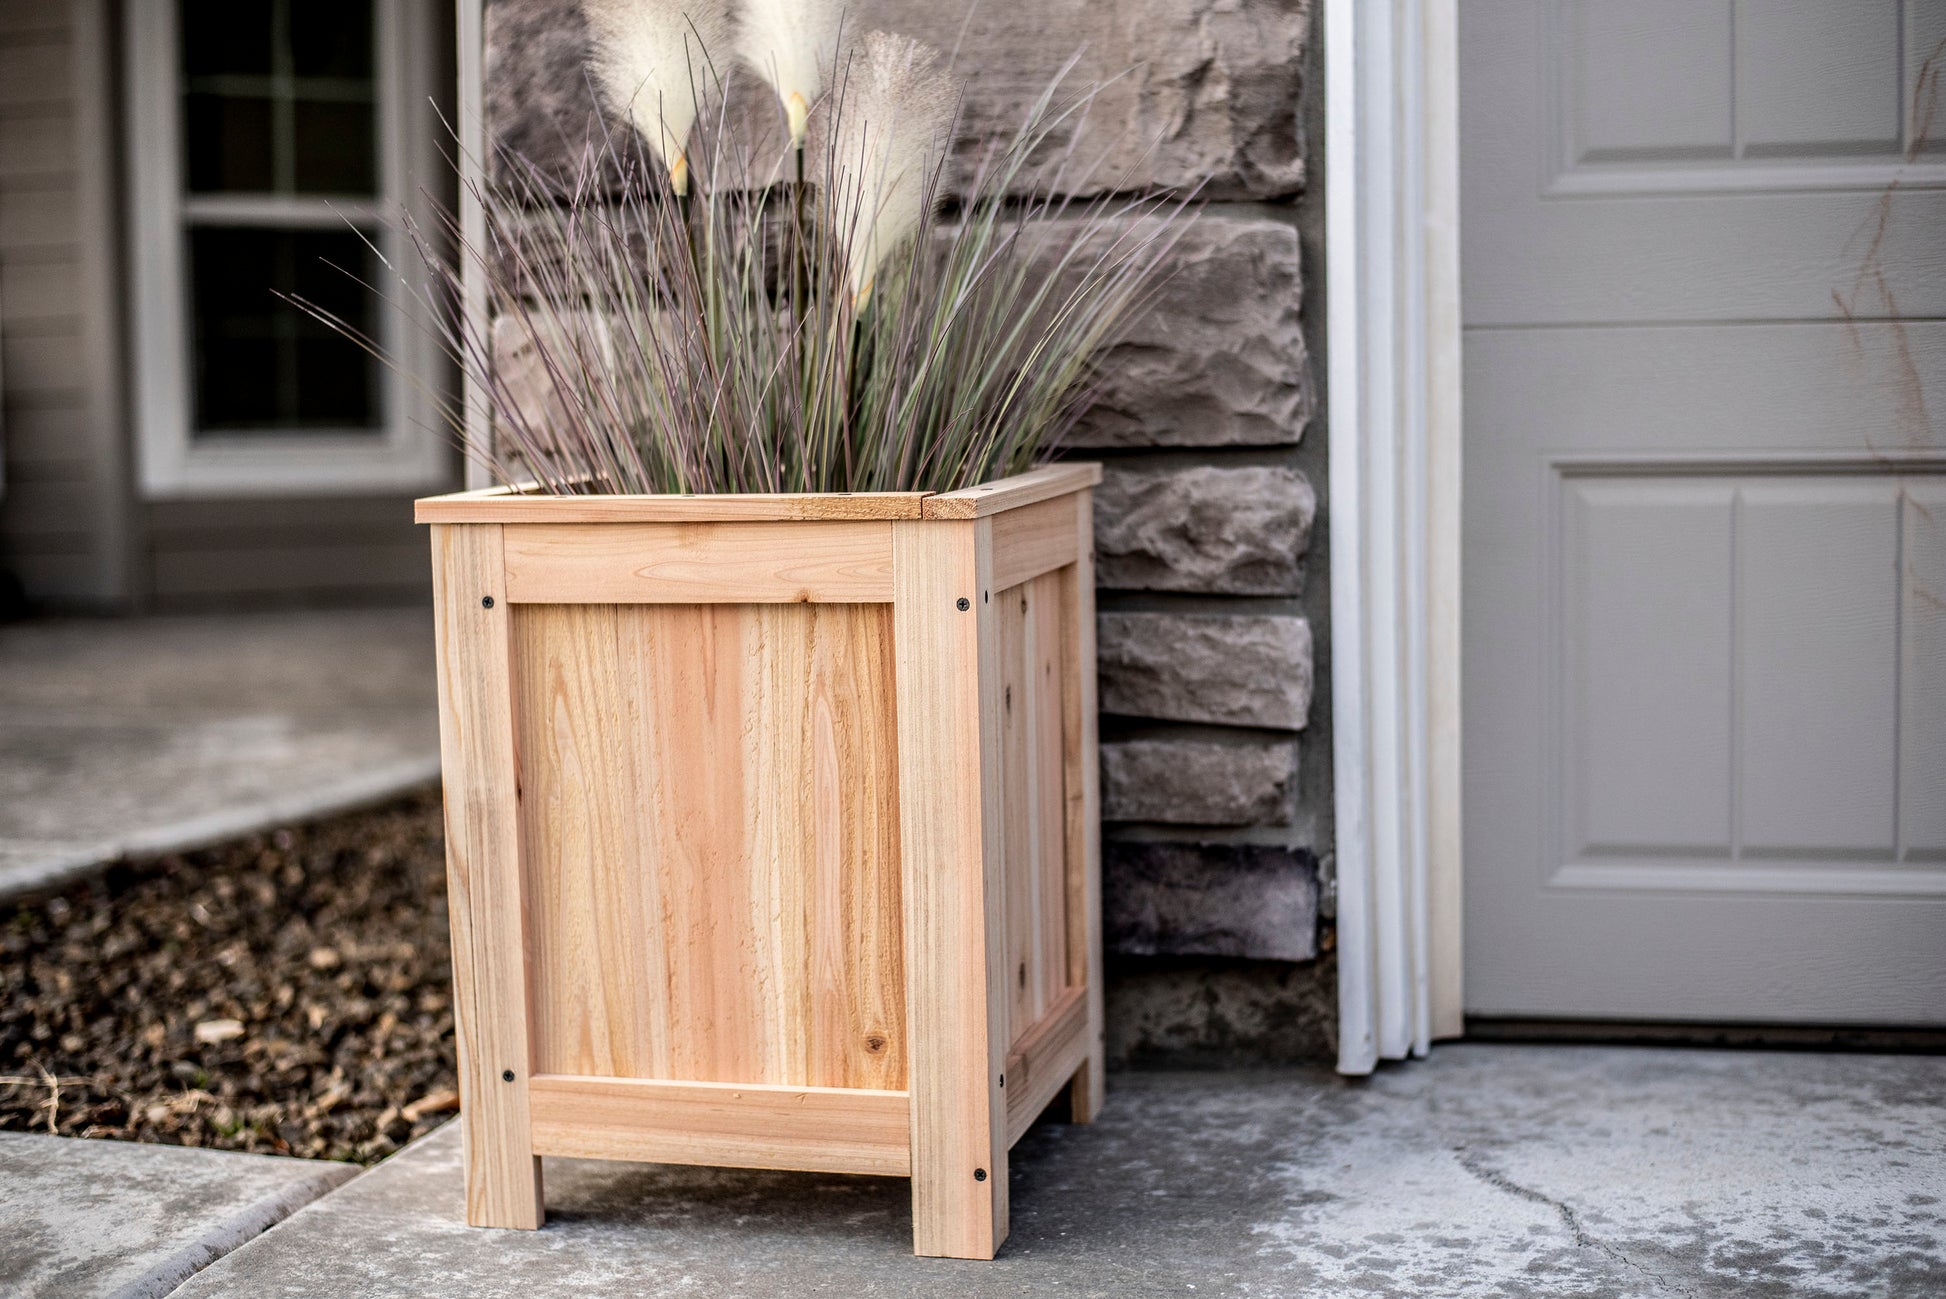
pixel 771 832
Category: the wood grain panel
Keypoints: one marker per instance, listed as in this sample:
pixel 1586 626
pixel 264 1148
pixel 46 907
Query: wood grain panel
pixel 733 1125
pixel 1047 806
pixel 483 884
pixel 955 904
pixel 1044 1059
pixel 1019 852
pixel 711 836
pixel 1032 795
pixel 709 563
pixel 1032 540
pixel 1011 493
pixel 1080 756
pixel 507 505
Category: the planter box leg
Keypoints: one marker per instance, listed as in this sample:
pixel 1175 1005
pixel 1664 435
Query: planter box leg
pixel 503 1176
pixel 1083 777
pixel 946 633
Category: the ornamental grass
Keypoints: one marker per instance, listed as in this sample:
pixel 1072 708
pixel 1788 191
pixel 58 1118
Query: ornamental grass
pixel 863 311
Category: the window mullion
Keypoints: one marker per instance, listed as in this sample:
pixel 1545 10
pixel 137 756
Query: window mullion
pixel 283 102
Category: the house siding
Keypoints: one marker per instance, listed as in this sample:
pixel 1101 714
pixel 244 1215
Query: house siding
pixel 73 529
pixel 205 554
pixel 64 512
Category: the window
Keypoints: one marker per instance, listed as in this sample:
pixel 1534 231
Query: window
pixel 271 140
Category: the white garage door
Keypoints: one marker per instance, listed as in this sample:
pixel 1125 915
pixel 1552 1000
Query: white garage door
pixel 1704 263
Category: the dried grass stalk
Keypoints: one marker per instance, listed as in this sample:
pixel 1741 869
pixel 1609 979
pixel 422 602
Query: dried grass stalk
pixel 838 336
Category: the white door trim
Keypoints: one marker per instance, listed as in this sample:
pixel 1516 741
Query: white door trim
pixel 470 124
pixel 1393 343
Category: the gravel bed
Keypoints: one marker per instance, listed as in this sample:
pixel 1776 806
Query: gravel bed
pixel 288 993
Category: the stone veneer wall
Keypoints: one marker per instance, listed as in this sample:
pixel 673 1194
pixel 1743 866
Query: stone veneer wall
pixel 1215 752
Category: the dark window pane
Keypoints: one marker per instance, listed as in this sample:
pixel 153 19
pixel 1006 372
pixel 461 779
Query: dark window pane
pixel 336 148
pixel 279 96
pixel 330 38
pixel 264 364
pixel 228 143
pixel 226 37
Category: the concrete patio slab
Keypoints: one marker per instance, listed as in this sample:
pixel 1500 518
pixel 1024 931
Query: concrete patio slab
pixel 113 1220
pixel 1485 1170
pixel 151 735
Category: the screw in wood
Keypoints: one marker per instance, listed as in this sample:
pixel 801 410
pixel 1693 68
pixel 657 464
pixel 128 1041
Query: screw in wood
pixel 506 1075
pixel 486 602
pixel 979 1174
pixel 963 604
pixel 1003 1080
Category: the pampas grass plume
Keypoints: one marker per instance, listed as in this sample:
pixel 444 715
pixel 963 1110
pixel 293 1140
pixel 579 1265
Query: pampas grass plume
pixel 790 44
pixel 652 59
pixel 895 117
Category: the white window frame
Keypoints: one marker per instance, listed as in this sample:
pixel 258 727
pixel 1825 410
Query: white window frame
pixel 409 451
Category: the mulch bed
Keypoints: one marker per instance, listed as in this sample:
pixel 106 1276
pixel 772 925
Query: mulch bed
pixel 288 993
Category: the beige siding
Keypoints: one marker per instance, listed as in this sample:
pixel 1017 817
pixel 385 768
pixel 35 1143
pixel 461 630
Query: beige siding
pixel 206 554
pixel 70 528
pixel 63 514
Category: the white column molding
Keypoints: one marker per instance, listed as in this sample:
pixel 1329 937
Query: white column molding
pixel 1392 291
pixel 469 122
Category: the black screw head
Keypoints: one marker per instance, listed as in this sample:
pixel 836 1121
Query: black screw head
pixel 979 1174
pixel 506 1075
pixel 1003 1080
pixel 486 602
pixel 964 604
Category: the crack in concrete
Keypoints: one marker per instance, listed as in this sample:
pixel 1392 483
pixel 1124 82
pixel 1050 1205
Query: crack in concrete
pixel 1499 1181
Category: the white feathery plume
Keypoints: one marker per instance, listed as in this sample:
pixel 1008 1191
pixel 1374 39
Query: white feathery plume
pixel 894 118
pixel 653 60
pixel 791 44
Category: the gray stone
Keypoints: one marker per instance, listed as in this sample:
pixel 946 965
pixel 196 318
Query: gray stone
pixel 1220 359
pixel 1187 1012
pixel 157 734
pixel 1198 782
pixel 1482 1170
pixel 1239 669
pixel 113 1218
pixel 1209 899
pixel 1205 529
pixel 1189 90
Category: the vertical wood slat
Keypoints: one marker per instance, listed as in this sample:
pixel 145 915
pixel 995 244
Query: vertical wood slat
pixel 1019 864
pixel 1049 807
pixel 949 707
pixel 712 843
pixel 1079 746
pixel 1033 786
pixel 490 983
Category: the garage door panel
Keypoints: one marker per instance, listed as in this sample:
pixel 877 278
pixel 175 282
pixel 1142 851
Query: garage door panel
pixel 1922 694
pixel 1647 636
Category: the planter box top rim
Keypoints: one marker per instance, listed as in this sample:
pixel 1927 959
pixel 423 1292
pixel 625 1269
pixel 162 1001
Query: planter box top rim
pixel 517 505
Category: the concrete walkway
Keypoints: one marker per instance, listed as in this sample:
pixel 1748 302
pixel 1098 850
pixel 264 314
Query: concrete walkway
pixel 1486 1170
pixel 114 1220
pixel 151 735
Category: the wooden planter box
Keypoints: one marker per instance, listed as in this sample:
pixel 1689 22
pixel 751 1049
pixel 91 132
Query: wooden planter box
pixel 771 833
